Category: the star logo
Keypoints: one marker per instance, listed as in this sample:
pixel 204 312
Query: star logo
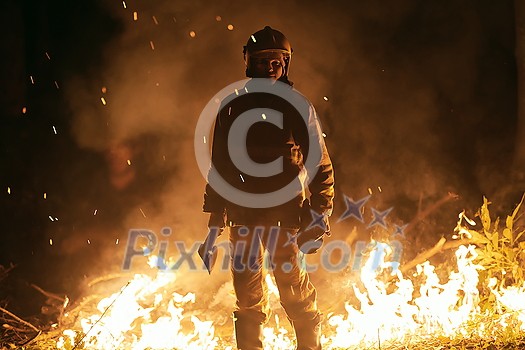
pixel 292 239
pixel 354 208
pixel 399 231
pixel 379 217
pixel 317 220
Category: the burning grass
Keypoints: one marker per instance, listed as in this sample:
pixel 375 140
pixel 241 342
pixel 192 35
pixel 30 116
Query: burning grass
pixel 478 304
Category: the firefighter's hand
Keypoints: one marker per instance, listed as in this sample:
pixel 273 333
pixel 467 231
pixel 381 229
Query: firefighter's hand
pixel 310 238
pixel 217 220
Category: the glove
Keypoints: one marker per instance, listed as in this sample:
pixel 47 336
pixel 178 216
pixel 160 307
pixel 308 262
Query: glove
pixel 217 220
pixel 313 228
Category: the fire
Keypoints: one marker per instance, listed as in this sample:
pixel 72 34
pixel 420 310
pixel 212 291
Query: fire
pixel 143 316
pixel 146 314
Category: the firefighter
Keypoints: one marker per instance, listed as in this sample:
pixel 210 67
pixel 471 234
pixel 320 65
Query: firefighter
pixel 285 230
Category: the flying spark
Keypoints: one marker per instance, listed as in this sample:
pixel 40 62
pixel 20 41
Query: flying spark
pixel 51 241
pixel 142 212
pixel 47 55
pixel 24 110
pixel 95 213
pixel 103 100
pixel 50 218
pixel 32 81
pixel 253 39
pixel 56 84
pixel 204 139
pixel 9 190
pixel 155 20
pixel 230 26
pixel 124 4
pixel 193 34
pixel 88 241
pixel 325 98
pixel 218 18
pixel 129 161
pixel 116 241
pixel 152 45
pixel 135 16
pixel 369 190
pixel 54 130
pixel 104 89
pixel 242 178
pixel 264 116
pixel 45 195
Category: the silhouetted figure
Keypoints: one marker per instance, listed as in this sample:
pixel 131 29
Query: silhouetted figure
pixel 260 216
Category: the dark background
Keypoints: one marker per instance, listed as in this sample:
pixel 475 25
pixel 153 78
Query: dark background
pixel 421 101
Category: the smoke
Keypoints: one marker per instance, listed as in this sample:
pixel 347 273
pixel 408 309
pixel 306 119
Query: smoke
pixel 395 86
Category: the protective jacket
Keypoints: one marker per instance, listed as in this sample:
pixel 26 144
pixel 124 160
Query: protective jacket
pixel 291 140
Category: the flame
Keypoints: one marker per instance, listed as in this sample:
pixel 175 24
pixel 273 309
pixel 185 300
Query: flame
pixel 143 315
pixel 129 319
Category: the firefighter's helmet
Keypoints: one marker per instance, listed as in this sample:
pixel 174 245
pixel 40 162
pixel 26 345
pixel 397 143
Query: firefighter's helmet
pixel 268 43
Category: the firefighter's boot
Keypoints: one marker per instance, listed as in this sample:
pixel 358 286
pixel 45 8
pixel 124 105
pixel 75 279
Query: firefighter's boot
pixel 248 332
pixel 308 333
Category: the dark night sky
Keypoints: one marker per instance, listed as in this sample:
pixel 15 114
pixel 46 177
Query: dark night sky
pixel 421 101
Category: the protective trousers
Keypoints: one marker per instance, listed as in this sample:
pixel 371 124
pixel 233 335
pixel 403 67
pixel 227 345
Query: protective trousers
pixel 297 294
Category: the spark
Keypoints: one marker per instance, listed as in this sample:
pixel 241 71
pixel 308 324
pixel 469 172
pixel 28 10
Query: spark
pixel 163 157
pixel 129 161
pixel 245 89
pixel 152 45
pixel 54 130
pixel 56 84
pixel 24 110
pixel 253 39
pixel 47 55
pixel 369 190
pixel 204 139
pixel 236 92
pixel 379 188
pixel 95 212
pixel 32 81
pixel 324 135
pixel 230 111
pixel 135 16
pixel 193 34
pixel 103 100
pixel 155 20
pixel 116 241
pixel 264 116
pixel 45 195
pixel 50 218
pixel 325 98
pixel 142 212
pixel 124 4
pixel 104 89
pixel 88 241
pixel 8 190
pixel 230 26
pixel 218 18
pixel 242 178
pixel 51 241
